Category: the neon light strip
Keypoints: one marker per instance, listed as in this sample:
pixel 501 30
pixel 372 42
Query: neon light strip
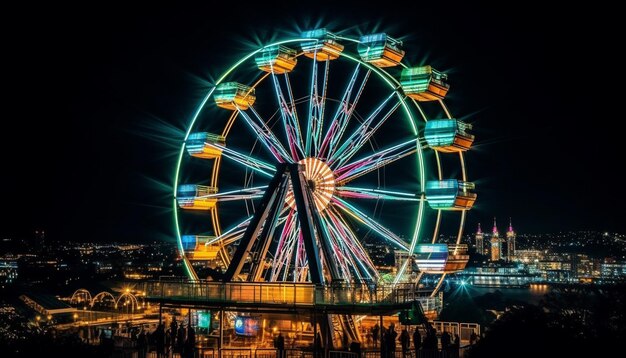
pixel 360 132
pixel 265 137
pixel 245 160
pixel 373 162
pixel 294 113
pixel 254 191
pixel 320 110
pixel 369 222
pixel 356 249
pixel 343 111
pixel 232 231
pixel 367 193
pixel 287 118
pixel 345 118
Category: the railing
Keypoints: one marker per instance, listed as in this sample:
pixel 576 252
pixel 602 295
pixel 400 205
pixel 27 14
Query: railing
pixel 283 293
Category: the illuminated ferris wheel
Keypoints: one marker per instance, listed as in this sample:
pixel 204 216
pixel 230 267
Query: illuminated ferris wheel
pixel 310 154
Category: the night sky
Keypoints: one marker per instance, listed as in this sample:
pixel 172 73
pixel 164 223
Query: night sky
pixel 99 103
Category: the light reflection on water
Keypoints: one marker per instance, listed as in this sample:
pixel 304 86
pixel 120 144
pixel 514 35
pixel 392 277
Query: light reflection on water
pixel 532 294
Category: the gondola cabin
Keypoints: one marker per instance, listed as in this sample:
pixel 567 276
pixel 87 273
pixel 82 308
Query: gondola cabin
pixel 199 247
pixel 448 135
pixel 196 197
pixel 233 96
pixel 424 83
pixel 276 59
pixel 450 194
pixel 380 50
pixel 322 45
pixel 205 145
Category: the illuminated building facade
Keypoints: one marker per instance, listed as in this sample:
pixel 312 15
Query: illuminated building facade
pixel 496 253
pixel 510 242
pixel 480 243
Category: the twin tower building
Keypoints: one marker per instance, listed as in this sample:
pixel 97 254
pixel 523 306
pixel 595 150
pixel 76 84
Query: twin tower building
pixel 493 248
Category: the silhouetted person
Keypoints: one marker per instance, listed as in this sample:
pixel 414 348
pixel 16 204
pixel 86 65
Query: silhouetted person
pixel 405 342
pixel 392 335
pixel 384 350
pixel 159 340
pixel 180 339
pixel 355 347
pixel 417 339
pixel 190 343
pixel 174 329
pixel 430 341
pixel 445 341
pixel 168 342
pixel 390 340
pixel 142 343
pixel 375 334
pixel 473 338
pixel 279 344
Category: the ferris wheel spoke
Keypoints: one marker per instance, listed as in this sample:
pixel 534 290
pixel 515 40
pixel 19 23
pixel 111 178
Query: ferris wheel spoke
pixel 294 113
pixel 232 234
pixel 269 134
pixel 344 113
pixel 290 120
pixel 317 104
pixel 241 194
pixel 340 258
pixel 285 243
pixel 265 135
pixel 378 160
pixel 370 223
pixel 364 132
pixel 357 250
pixel 358 256
pixel 368 193
pixel 247 161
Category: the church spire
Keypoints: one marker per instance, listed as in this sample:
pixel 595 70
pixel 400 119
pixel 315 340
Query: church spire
pixel 495 227
pixel 480 231
pixel 510 225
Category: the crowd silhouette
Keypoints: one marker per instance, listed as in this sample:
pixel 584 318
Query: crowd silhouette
pixel 429 345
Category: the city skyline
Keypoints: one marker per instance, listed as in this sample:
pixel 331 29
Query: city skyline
pixel 112 125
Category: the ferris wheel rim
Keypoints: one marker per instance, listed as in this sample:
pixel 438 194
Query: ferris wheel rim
pixel 385 76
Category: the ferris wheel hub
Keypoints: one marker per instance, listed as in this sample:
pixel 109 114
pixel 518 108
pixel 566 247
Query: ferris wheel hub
pixel 320 180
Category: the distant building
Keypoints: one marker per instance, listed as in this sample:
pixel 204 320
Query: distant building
pixel 8 271
pixel 480 247
pixel 510 242
pixel 613 269
pixel 528 256
pixel 496 252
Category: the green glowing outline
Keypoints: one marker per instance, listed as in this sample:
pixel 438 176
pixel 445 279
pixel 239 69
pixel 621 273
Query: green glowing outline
pixel 384 75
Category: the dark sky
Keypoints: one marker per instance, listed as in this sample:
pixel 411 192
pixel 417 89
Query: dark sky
pixel 98 101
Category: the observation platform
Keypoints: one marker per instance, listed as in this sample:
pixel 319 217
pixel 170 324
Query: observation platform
pixel 301 298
